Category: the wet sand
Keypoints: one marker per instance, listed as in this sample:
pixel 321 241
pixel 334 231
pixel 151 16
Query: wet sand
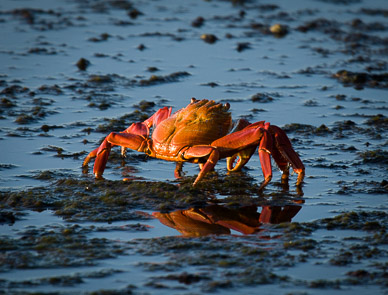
pixel 73 71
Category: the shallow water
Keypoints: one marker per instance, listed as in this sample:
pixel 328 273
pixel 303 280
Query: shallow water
pixel 49 124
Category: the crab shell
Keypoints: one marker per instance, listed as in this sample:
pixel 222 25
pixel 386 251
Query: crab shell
pixel 200 123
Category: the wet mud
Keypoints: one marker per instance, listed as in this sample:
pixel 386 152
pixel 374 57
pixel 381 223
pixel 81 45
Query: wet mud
pixel 71 72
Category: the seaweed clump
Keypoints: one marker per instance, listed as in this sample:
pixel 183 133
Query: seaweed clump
pixel 379 121
pixel 53 247
pixel 157 79
pixel 378 156
pixel 360 80
pixel 121 123
pixel 357 221
pixel 262 98
pixel 307 129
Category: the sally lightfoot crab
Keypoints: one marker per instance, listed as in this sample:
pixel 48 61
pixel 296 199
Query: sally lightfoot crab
pixel 203 133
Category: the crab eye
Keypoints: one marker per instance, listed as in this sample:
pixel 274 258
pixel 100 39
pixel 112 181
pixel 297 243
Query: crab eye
pixel 193 99
pixel 226 106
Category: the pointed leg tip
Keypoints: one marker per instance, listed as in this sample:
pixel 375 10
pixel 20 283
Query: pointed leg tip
pixel 301 175
pixel 98 175
pixel 265 182
pixel 85 162
pixel 299 191
pixel 178 170
pixel 284 179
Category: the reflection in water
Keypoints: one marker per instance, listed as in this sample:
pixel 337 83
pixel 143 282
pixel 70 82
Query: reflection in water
pixel 216 219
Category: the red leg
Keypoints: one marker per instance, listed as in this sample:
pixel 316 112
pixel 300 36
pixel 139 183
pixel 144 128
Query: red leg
pixel 128 140
pixel 138 129
pixel 132 141
pixel 245 141
pixel 178 170
pixel 283 145
pixel 158 117
pixel 282 163
pixel 271 140
pixel 134 137
pixel 242 158
pixel 235 142
pixel 265 150
pixel 90 156
pixel 200 151
pixel 102 156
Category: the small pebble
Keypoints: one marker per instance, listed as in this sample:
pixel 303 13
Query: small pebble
pixel 209 38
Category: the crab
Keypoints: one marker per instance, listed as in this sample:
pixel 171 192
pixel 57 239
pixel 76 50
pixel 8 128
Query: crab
pixel 203 132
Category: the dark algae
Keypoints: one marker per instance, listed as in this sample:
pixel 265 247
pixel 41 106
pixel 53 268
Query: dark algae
pixel 360 80
pixel 71 72
pixel 83 64
pixel 270 237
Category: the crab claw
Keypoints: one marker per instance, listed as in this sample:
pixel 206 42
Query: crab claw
pixel 238 161
pixel 139 129
pixel 102 155
pixel 102 152
pixel 134 137
pixel 161 115
pixel 243 156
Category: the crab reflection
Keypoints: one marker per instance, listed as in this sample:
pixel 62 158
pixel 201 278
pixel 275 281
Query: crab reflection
pixel 217 219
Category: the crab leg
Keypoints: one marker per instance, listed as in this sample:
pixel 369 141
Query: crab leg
pixel 282 163
pixel 127 140
pixel 200 151
pixel 288 155
pixel 265 150
pixel 135 128
pixel 90 156
pixel 178 170
pixel 242 156
pixel 134 137
pixel 244 142
pixel 102 152
pixel 159 116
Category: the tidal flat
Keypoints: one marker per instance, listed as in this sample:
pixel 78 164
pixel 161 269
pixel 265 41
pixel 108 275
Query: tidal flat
pixel 72 71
